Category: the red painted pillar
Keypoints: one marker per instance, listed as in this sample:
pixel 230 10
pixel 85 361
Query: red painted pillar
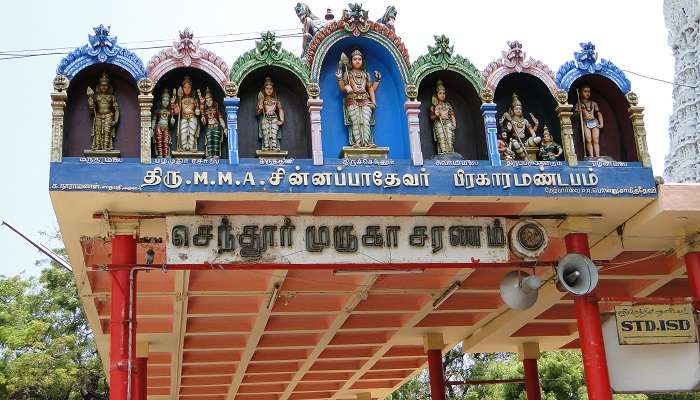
pixel 532 379
pixel 140 378
pixel 123 252
pixel 692 267
pixel 595 365
pixel 437 377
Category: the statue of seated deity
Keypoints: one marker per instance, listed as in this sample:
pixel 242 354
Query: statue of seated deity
pixel 522 133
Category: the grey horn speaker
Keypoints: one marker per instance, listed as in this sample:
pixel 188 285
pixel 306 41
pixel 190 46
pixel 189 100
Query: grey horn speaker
pixel 577 274
pixel 519 290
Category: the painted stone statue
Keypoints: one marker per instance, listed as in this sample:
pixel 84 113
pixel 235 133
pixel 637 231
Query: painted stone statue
pixel 442 116
pixel 161 126
pixel 271 114
pixel 104 107
pixel 505 147
pixel 185 112
pixel 389 18
pixel 310 25
pixel 214 125
pixel 360 101
pixel 591 121
pixel 549 150
pixel 523 134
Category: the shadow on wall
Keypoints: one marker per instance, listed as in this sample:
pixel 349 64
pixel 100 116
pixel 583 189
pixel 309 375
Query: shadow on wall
pixel 617 135
pixel 470 137
pixel 296 130
pixel 77 128
pixel 390 118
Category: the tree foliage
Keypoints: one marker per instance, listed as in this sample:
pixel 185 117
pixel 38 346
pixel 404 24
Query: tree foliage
pixel 561 378
pixel 47 351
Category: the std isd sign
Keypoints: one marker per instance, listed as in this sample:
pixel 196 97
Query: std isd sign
pixel 656 324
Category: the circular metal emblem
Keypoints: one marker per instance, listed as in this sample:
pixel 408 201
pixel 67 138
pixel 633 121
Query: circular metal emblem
pixel 531 236
pixel 528 239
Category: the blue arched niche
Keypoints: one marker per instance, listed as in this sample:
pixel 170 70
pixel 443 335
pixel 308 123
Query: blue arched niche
pixel 390 127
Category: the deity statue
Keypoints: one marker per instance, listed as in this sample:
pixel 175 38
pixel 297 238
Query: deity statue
pixel 271 113
pixel 444 123
pixel 186 107
pixel 550 150
pixel 517 127
pixel 105 111
pixel 360 100
pixel 214 125
pixel 389 18
pixel 160 126
pixel 311 24
pixel 505 148
pixel 591 120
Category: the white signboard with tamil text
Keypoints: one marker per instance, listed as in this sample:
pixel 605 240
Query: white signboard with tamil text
pixel 322 240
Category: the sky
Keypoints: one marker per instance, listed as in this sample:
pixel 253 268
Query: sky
pixel 631 33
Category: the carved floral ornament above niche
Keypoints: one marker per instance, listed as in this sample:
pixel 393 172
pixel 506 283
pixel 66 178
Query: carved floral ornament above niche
pixel 187 52
pixel 515 60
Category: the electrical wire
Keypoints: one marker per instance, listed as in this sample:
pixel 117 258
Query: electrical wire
pixel 70 48
pixel 14 55
pixel 659 79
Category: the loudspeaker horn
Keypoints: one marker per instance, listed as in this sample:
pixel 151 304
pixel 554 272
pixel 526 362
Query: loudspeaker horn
pixel 577 274
pixel 519 289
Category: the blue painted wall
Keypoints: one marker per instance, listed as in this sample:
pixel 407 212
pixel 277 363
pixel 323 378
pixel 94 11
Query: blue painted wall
pixel 391 128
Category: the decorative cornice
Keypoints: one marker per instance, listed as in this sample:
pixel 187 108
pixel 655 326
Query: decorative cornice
pixel 268 52
pixel 187 52
pixel 585 63
pixel 441 57
pixel 515 60
pixel 101 48
pixel 372 26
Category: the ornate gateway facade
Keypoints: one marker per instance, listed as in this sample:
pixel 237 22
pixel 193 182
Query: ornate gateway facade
pixel 280 227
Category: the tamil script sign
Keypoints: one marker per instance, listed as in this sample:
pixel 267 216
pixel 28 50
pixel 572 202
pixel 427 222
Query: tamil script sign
pixel 320 240
pixel 655 324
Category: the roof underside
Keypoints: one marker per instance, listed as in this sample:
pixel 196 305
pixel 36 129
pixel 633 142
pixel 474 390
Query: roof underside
pixel 212 336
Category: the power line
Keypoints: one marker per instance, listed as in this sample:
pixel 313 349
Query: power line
pixel 660 80
pixel 70 48
pixel 16 56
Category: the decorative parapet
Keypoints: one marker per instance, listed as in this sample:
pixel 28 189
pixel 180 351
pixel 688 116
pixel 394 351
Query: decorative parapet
pixel 586 62
pixel 441 57
pixel 187 52
pixel 269 52
pixel 101 48
pixel 355 22
pixel 514 60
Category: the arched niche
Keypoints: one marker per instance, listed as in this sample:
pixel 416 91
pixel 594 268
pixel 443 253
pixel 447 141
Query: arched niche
pixel 296 131
pixel 390 128
pixel 470 140
pixel 616 136
pixel 536 98
pixel 77 128
pixel 200 80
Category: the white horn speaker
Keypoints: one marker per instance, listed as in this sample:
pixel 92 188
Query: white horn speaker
pixel 577 274
pixel 519 290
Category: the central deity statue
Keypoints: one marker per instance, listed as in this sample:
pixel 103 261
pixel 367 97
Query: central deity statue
pixel 360 101
pixel 105 112
pixel 186 107
pixel 271 114
pixel 522 133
